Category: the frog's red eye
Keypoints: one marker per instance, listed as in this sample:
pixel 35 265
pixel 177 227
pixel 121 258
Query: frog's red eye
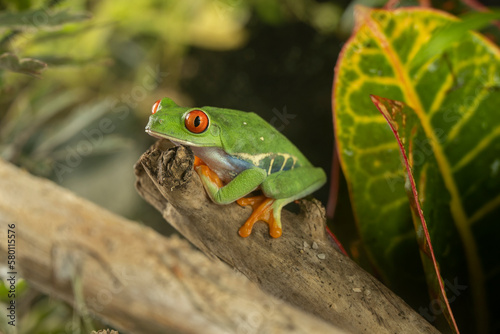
pixel 155 107
pixel 196 121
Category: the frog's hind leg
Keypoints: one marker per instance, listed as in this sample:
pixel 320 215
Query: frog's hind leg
pixel 293 184
pixel 280 189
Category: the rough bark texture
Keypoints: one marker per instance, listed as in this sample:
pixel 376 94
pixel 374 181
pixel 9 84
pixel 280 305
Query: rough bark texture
pixel 127 274
pixel 301 267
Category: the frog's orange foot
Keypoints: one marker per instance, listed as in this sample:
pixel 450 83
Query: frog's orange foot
pixel 262 210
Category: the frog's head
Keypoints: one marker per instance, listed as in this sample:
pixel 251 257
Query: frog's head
pixel 188 126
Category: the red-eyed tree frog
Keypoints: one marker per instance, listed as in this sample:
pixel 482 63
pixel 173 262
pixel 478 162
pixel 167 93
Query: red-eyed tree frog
pixel 237 152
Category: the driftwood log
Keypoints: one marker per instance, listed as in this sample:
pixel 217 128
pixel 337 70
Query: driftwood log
pixel 301 267
pixel 125 273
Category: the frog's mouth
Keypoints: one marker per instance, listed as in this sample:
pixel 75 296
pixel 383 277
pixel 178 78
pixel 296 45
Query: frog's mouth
pixel 175 141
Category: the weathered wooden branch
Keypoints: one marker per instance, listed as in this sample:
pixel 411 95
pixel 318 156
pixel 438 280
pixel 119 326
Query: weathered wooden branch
pixel 127 274
pixel 301 267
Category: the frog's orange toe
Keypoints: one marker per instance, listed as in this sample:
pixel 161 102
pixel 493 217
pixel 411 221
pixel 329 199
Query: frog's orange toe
pixel 262 210
pixel 245 230
pixel 275 231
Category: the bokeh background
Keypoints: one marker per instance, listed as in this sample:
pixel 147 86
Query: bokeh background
pixel 113 59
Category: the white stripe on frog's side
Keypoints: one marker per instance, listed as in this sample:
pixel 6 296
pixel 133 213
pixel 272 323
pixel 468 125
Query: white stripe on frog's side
pixel 271 166
pixel 257 158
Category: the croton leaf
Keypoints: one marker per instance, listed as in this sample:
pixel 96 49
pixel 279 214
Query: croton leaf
pixel 410 135
pixel 454 97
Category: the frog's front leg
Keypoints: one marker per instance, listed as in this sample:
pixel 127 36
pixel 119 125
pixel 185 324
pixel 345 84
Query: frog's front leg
pixel 244 183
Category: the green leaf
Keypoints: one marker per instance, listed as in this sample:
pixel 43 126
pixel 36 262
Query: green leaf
pixel 410 135
pixel 455 95
pixel 39 18
pixel 72 125
pixel 11 62
pixel 451 33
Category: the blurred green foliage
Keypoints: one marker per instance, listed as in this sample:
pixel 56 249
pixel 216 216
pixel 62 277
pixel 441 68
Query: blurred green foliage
pixel 98 65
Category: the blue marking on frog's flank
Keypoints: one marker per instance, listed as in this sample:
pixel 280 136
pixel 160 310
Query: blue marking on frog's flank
pixel 271 162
